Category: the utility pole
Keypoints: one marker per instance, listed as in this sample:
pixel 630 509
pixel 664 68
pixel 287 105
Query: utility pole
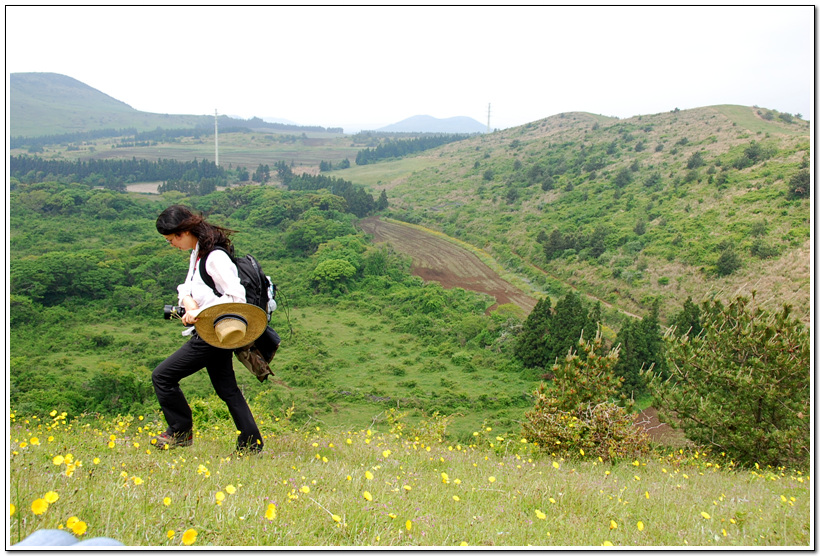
pixel 488 117
pixel 216 137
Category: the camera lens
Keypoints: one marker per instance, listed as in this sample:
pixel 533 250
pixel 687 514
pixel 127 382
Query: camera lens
pixel 170 311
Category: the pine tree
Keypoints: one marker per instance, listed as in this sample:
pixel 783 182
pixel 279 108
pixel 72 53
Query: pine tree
pixel 641 345
pixel 687 322
pixel 381 204
pixel 569 320
pixel 531 343
pixel 743 385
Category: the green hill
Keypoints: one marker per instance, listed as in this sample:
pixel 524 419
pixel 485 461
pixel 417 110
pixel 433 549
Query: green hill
pixel 50 104
pixel 671 205
pixel 53 104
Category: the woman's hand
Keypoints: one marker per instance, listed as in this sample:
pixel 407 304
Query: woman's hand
pixel 191 310
pixel 190 318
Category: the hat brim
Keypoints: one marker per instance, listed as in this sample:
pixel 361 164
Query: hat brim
pixel 256 318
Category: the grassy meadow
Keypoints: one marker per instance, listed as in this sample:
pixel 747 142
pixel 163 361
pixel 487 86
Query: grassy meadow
pixel 392 485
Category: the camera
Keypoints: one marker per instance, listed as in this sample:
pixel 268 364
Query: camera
pixel 173 311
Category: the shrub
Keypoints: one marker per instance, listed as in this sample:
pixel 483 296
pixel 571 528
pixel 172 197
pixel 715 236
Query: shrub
pixel 742 385
pixel 800 185
pixel 602 430
pixel 575 415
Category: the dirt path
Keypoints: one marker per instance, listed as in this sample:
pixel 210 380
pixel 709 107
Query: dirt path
pixel 436 259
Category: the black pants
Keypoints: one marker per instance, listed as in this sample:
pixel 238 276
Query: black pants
pixel 190 358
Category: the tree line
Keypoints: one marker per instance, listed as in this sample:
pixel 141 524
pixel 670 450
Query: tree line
pixel 115 173
pixel 402 147
pixel 359 201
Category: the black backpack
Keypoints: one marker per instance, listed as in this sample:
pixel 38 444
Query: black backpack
pixel 259 290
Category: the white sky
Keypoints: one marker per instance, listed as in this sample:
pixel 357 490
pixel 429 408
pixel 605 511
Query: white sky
pixel 369 66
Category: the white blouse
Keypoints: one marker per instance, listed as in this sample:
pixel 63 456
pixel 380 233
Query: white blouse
pixel 225 276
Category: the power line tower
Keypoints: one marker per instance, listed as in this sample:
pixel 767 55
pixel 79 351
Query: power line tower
pixel 488 117
pixel 216 137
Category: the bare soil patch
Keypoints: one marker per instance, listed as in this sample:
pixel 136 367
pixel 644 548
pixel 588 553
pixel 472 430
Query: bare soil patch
pixel 436 259
pixel 659 433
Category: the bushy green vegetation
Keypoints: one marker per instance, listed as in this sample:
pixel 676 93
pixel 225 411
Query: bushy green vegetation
pixel 576 415
pixel 742 384
pixel 89 276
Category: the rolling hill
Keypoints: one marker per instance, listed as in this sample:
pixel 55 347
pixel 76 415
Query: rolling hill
pixel 667 206
pixel 53 104
pixel 50 104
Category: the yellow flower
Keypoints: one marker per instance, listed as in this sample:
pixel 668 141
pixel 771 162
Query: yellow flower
pixel 53 413
pixel 270 513
pixel 230 489
pixel 556 465
pixel 367 496
pixel 582 451
pixel 491 479
pixel 368 475
pixel 705 515
pixel 552 500
pixel 540 515
pixel 336 518
pixel 386 453
pixel 79 527
pixel 305 489
pixel 445 478
pixel 606 543
pixel 71 521
pixel 12 509
pixel 34 441
pixel 189 537
pixel 612 524
pixel 51 496
pixel 456 498
pixel 407 488
pixel 220 496
pixel 392 516
pixel 640 526
pixel 409 524
pixel 170 534
pixel 137 481
pixel 39 506
pixel 96 461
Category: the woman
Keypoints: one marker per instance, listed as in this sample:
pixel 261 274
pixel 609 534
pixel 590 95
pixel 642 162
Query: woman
pixel 184 230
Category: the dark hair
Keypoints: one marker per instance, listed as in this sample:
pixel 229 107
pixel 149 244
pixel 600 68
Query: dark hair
pixel 179 218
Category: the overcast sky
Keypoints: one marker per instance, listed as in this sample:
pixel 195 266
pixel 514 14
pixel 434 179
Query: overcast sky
pixel 365 67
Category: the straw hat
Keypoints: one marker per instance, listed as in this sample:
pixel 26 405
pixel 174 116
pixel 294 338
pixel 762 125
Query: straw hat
pixel 231 325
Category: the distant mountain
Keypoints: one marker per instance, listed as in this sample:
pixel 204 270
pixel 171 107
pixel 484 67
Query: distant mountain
pixel 429 124
pixel 51 104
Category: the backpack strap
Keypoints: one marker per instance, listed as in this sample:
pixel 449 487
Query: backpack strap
pixel 203 272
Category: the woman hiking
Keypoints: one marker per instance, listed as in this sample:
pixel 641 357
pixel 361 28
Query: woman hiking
pixel 184 230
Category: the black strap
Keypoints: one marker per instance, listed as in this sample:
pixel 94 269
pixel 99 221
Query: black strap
pixel 203 272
